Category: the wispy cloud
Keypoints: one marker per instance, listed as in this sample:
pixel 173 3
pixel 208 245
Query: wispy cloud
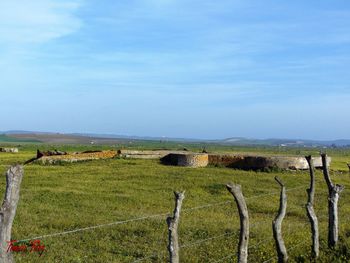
pixel 37 21
pixel 206 59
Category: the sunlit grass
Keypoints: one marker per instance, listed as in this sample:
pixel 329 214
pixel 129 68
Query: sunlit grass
pixel 65 197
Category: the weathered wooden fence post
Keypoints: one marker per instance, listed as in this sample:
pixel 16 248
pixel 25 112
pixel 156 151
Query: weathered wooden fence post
pixel 236 191
pixel 334 191
pixel 173 223
pixel 8 210
pixel 310 209
pixel 277 224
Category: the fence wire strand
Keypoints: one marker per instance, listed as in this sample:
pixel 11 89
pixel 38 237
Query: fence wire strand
pixel 226 234
pixel 198 242
pixel 143 217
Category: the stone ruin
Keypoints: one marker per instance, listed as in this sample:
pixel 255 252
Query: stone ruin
pixel 186 159
pixel 250 162
pixel 8 150
pixel 40 154
pixel 243 162
pixel 57 157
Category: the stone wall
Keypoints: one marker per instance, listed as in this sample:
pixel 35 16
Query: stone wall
pixel 134 154
pixel 77 157
pixel 263 162
pixel 237 161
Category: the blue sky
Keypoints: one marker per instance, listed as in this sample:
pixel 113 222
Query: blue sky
pixel 177 68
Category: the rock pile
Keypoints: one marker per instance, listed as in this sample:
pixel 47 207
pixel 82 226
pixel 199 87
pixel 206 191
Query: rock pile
pixel 8 150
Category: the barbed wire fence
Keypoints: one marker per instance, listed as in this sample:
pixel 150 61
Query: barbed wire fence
pixel 189 244
pixel 147 217
pixel 225 235
pixel 197 242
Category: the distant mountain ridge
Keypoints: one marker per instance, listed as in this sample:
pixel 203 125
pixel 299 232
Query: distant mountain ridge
pixel 240 141
pixel 286 142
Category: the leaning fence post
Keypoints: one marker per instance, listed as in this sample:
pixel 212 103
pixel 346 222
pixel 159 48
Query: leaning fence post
pixel 334 191
pixel 8 210
pixel 173 223
pixel 277 224
pixel 310 209
pixel 236 191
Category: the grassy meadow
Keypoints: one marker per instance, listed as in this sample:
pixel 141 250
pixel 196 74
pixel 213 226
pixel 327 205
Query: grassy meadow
pixel 71 196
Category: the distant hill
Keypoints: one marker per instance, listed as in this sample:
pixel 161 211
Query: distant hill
pixel 82 138
pixel 286 142
pixel 88 138
pixel 55 138
pixel 8 139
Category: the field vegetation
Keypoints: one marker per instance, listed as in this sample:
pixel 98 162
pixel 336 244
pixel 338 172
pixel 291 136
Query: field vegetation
pixel 56 198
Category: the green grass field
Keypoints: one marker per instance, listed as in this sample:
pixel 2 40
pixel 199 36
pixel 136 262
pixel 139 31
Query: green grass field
pixel 7 139
pixel 67 197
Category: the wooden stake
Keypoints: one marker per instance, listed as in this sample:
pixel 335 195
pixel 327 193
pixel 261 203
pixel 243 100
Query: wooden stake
pixel 236 191
pixel 8 210
pixel 334 191
pixel 173 223
pixel 310 209
pixel 277 224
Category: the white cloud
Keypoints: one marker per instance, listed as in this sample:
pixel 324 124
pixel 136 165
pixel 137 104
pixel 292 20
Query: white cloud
pixel 37 21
